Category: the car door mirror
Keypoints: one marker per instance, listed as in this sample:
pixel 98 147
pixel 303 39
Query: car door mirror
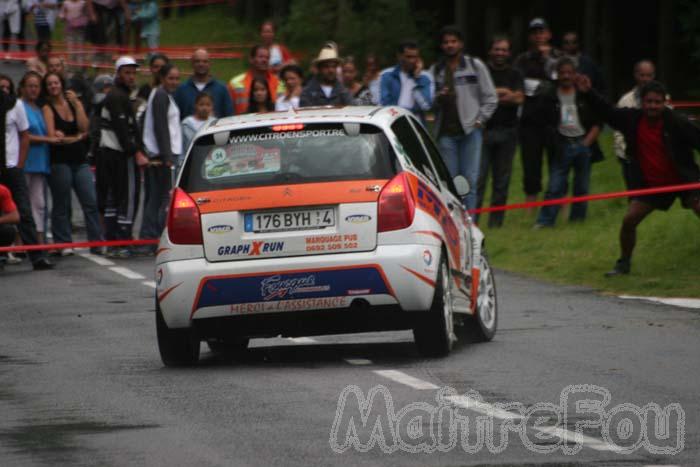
pixel 462 185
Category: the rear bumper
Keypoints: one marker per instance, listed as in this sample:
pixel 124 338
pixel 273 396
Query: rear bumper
pixel 392 278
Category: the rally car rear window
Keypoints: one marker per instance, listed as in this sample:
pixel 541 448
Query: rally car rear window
pixel 288 154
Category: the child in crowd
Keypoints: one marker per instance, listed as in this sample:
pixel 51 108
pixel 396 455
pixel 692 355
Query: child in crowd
pixel 146 16
pixel 260 100
pixel 75 15
pixel 203 110
pixel 293 77
pixel 44 12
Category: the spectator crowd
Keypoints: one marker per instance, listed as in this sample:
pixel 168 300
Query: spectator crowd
pixel 547 100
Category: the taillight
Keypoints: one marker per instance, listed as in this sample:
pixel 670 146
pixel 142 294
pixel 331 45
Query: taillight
pixel 184 225
pixel 396 206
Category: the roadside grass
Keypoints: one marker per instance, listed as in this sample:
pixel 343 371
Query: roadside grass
pixel 213 24
pixel 665 259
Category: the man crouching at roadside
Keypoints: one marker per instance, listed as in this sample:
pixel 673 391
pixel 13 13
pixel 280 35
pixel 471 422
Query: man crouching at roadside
pixel 660 144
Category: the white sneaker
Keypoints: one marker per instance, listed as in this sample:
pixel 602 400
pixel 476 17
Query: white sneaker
pixel 67 252
pixel 12 259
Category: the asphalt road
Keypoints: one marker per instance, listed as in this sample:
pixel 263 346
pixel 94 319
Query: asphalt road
pixel 81 383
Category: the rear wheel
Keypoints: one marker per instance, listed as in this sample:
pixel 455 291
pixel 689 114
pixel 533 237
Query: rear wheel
pixel 228 345
pixel 481 326
pixel 178 347
pixel 434 333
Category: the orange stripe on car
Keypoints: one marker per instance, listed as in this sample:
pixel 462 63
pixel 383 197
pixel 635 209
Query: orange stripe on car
pixel 476 273
pixel 162 296
pixel 430 233
pixel 161 250
pixel 425 279
pixel 283 196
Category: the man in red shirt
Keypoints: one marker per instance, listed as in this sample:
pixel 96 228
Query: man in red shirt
pixel 660 145
pixel 9 216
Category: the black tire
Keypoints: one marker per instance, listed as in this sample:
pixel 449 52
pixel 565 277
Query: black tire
pixel 228 346
pixel 481 327
pixel 178 347
pixel 434 332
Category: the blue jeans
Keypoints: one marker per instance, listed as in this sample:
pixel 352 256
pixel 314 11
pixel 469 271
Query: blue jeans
pixel 572 154
pixel 462 155
pixel 157 184
pixel 78 177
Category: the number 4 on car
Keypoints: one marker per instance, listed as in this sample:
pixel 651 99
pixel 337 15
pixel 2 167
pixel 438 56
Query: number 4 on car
pixel 319 221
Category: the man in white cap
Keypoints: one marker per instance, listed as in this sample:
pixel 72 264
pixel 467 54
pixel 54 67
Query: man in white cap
pixel 120 153
pixel 324 88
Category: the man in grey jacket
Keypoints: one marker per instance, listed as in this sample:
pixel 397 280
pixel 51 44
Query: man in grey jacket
pixel 465 100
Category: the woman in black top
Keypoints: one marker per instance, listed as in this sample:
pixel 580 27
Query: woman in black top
pixel 66 120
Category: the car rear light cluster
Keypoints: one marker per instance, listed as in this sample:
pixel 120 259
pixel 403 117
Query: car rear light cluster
pixel 396 205
pixel 184 224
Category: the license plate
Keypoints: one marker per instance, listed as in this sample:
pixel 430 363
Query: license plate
pixel 290 220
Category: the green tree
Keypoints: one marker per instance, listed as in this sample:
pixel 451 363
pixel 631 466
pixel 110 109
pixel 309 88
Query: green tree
pixel 358 26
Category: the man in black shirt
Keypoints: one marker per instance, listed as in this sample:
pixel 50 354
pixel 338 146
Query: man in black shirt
pixel 501 135
pixel 120 154
pixel 537 66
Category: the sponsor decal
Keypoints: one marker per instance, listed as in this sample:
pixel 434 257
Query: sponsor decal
pixel 430 203
pixel 251 249
pixel 321 243
pixel 359 291
pixel 427 257
pixel 358 218
pixel 299 287
pixel 277 287
pixel 218 155
pixel 241 160
pixel 320 303
pixel 284 135
pixel 220 229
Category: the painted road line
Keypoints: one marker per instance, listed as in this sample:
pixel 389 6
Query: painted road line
pixel 403 378
pixel 679 302
pixel 579 438
pixel 128 273
pixel 97 259
pixel 150 284
pixel 482 407
pixel 562 433
pixel 302 340
pixel 358 361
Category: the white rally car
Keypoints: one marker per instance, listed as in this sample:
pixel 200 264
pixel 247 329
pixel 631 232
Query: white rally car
pixel 319 221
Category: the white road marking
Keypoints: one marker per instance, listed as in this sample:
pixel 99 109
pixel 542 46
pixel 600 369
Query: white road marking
pixel 358 361
pixel 680 302
pixel 483 407
pixel 579 438
pixel 97 259
pixel 403 378
pixel 150 284
pixel 562 433
pixel 128 273
pixel 302 340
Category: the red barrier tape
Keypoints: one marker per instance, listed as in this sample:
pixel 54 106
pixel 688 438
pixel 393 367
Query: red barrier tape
pixel 178 55
pixel 685 104
pixel 193 3
pixel 578 199
pixel 551 202
pixel 61 246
